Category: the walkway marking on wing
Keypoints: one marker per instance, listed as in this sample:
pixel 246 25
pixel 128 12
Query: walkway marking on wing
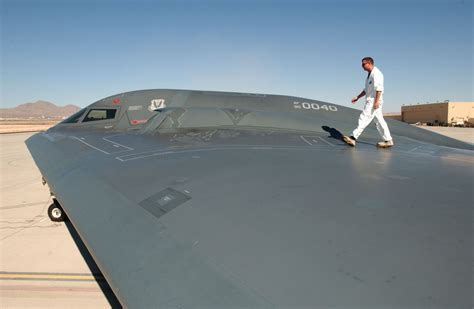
pixel 106 139
pixel 311 140
pixel 168 151
pixel 414 148
pixel 324 140
pixel 137 156
pixel 175 149
pixel 308 142
pixel 419 149
pixel 162 153
pixel 115 143
pixel 49 276
pixel 107 153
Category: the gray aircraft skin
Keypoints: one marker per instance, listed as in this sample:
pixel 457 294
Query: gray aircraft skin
pixel 198 199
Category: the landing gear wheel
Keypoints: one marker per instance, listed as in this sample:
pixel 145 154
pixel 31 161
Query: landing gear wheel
pixel 56 213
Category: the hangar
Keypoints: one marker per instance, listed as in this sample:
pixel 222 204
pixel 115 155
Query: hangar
pixel 443 113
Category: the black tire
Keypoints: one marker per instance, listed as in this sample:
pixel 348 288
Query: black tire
pixel 56 213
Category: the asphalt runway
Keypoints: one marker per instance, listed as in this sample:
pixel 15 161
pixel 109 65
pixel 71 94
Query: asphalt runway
pixel 45 264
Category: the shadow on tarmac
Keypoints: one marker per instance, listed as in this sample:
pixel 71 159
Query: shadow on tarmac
pixel 95 271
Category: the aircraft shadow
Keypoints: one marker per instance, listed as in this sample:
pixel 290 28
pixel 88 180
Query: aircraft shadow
pixel 95 271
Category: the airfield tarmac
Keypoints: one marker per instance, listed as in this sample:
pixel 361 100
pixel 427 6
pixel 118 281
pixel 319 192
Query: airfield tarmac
pixel 44 264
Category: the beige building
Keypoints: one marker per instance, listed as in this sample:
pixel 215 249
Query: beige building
pixel 445 113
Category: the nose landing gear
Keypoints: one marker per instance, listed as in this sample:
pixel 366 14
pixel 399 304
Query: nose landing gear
pixel 56 212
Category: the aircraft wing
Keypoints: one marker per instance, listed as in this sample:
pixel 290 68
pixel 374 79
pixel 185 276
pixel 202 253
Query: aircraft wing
pixel 242 200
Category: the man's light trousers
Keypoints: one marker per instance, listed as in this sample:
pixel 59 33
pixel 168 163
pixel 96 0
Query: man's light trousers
pixel 369 114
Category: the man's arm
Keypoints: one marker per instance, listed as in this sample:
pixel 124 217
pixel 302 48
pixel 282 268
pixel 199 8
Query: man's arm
pixel 354 99
pixel 377 98
pixel 378 87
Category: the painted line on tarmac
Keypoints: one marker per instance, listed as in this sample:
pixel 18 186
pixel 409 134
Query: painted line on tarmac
pixel 50 276
pixel 35 288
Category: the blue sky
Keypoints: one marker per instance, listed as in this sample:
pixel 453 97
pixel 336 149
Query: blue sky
pixel 77 52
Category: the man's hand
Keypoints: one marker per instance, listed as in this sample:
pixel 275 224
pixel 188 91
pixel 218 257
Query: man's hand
pixel 354 99
pixel 376 105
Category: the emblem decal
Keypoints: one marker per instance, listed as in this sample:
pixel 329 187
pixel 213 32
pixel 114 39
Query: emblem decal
pixel 156 104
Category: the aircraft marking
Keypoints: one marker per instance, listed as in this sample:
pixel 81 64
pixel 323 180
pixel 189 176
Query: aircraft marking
pixel 241 146
pixel 311 140
pixel 90 145
pixel 314 106
pixel 114 144
pixel 414 148
pixel 156 104
pixel 107 140
pixel 421 150
pixel 309 143
pixel 137 156
pixel 329 143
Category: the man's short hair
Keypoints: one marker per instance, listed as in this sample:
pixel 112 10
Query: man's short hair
pixel 369 59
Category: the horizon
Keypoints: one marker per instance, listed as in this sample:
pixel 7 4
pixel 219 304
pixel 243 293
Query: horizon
pixel 76 105
pixel 78 52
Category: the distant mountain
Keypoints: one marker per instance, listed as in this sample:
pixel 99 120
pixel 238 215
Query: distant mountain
pixel 39 109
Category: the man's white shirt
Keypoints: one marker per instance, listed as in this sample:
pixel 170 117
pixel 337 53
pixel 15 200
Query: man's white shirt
pixel 374 83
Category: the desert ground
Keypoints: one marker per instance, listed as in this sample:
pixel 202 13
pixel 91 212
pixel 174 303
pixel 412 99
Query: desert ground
pixel 25 125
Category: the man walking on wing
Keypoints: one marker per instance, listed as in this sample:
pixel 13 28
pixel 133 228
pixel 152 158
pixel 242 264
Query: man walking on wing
pixel 373 93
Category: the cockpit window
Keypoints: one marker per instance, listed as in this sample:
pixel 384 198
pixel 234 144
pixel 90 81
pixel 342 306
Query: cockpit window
pixel 100 114
pixel 75 117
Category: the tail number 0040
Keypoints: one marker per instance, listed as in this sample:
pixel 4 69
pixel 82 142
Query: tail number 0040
pixel 314 106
